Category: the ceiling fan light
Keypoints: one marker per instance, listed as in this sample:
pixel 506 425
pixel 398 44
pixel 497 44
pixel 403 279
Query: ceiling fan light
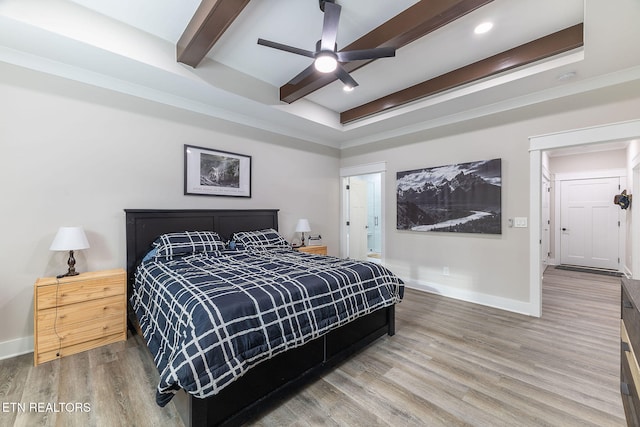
pixel 326 62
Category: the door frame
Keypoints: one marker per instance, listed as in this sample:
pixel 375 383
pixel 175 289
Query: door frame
pixel 366 169
pixel 622 131
pixel 573 176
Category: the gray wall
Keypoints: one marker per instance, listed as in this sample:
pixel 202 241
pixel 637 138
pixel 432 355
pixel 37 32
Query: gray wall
pixel 72 154
pixel 488 269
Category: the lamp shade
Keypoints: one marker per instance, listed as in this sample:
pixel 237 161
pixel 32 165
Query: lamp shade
pixel 303 226
pixel 69 239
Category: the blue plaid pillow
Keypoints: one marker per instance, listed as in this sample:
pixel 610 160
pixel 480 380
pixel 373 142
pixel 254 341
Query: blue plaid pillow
pixel 260 240
pixel 187 243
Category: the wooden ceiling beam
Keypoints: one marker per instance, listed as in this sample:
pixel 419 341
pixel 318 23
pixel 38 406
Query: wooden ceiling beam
pixel 211 20
pixel 415 22
pixel 544 47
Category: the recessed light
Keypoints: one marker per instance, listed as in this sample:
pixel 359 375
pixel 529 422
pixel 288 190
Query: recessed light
pixel 347 88
pixel 483 28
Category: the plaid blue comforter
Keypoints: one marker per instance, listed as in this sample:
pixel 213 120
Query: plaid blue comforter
pixel 207 320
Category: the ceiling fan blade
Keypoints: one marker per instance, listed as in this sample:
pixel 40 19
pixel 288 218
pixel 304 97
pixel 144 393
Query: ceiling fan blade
pixel 286 48
pixel 330 26
pixel 345 77
pixel 355 55
pixel 303 74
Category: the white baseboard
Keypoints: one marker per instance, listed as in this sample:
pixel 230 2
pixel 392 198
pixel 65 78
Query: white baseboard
pixel 516 306
pixel 16 347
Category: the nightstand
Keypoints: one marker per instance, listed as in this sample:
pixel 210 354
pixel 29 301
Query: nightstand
pixel 317 250
pixel 78 313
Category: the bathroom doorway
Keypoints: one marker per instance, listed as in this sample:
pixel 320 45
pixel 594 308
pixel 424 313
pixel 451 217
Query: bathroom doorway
pixel 364 221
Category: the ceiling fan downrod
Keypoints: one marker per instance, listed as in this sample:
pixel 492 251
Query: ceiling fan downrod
pixel 322 2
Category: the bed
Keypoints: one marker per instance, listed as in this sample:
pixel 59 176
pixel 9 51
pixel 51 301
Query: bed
pixel 251 391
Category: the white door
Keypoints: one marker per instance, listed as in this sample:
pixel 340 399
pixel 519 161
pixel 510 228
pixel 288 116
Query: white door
pixel 589 227
pixel 357 229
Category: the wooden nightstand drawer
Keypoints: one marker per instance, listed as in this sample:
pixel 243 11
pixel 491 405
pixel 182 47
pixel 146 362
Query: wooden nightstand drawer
pixel 74 314
pixel 65 317
pixel 81 332
pixel 318 250
pixel 80 288
pixel 67 350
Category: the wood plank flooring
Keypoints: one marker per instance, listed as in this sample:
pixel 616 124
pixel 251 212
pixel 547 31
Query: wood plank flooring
pixel 450 363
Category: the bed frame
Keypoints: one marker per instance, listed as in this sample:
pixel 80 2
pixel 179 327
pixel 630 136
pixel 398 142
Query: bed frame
pixel 273 379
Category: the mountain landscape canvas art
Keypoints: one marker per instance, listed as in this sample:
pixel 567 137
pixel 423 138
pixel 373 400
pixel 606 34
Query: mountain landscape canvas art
pixel 462 198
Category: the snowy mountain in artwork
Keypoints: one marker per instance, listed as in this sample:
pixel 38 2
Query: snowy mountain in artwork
pixel 465 197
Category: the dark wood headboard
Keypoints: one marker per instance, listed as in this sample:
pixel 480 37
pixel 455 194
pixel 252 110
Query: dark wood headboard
pixel 144 225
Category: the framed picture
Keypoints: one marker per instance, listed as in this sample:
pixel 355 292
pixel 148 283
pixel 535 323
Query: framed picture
pixel 462 198
pixel 210 172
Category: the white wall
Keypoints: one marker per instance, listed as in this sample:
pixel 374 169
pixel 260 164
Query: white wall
pixel 584 162
pixel 491 270
pixel 72 154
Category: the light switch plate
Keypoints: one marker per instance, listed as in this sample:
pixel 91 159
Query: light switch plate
pixel 520 222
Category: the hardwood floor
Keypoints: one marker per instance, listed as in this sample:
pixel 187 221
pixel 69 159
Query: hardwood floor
pixel 450 363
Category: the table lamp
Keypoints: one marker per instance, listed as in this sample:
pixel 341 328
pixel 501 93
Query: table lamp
pixel 303 227
pixel 70 239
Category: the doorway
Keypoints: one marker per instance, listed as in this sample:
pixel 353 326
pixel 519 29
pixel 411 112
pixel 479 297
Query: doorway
pixel 363 212
pixel 364 231
pixel 623 131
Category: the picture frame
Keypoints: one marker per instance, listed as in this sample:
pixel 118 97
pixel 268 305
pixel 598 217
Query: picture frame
pixel 459 198
pixel 209 172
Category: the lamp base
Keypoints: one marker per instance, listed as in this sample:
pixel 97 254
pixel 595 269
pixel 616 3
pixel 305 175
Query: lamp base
pixel 59 276
pixel 72 267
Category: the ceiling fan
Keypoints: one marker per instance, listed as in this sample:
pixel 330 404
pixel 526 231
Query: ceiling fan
pixel 326 57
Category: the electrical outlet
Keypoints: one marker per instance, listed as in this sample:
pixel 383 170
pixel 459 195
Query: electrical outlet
pixel 445 271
